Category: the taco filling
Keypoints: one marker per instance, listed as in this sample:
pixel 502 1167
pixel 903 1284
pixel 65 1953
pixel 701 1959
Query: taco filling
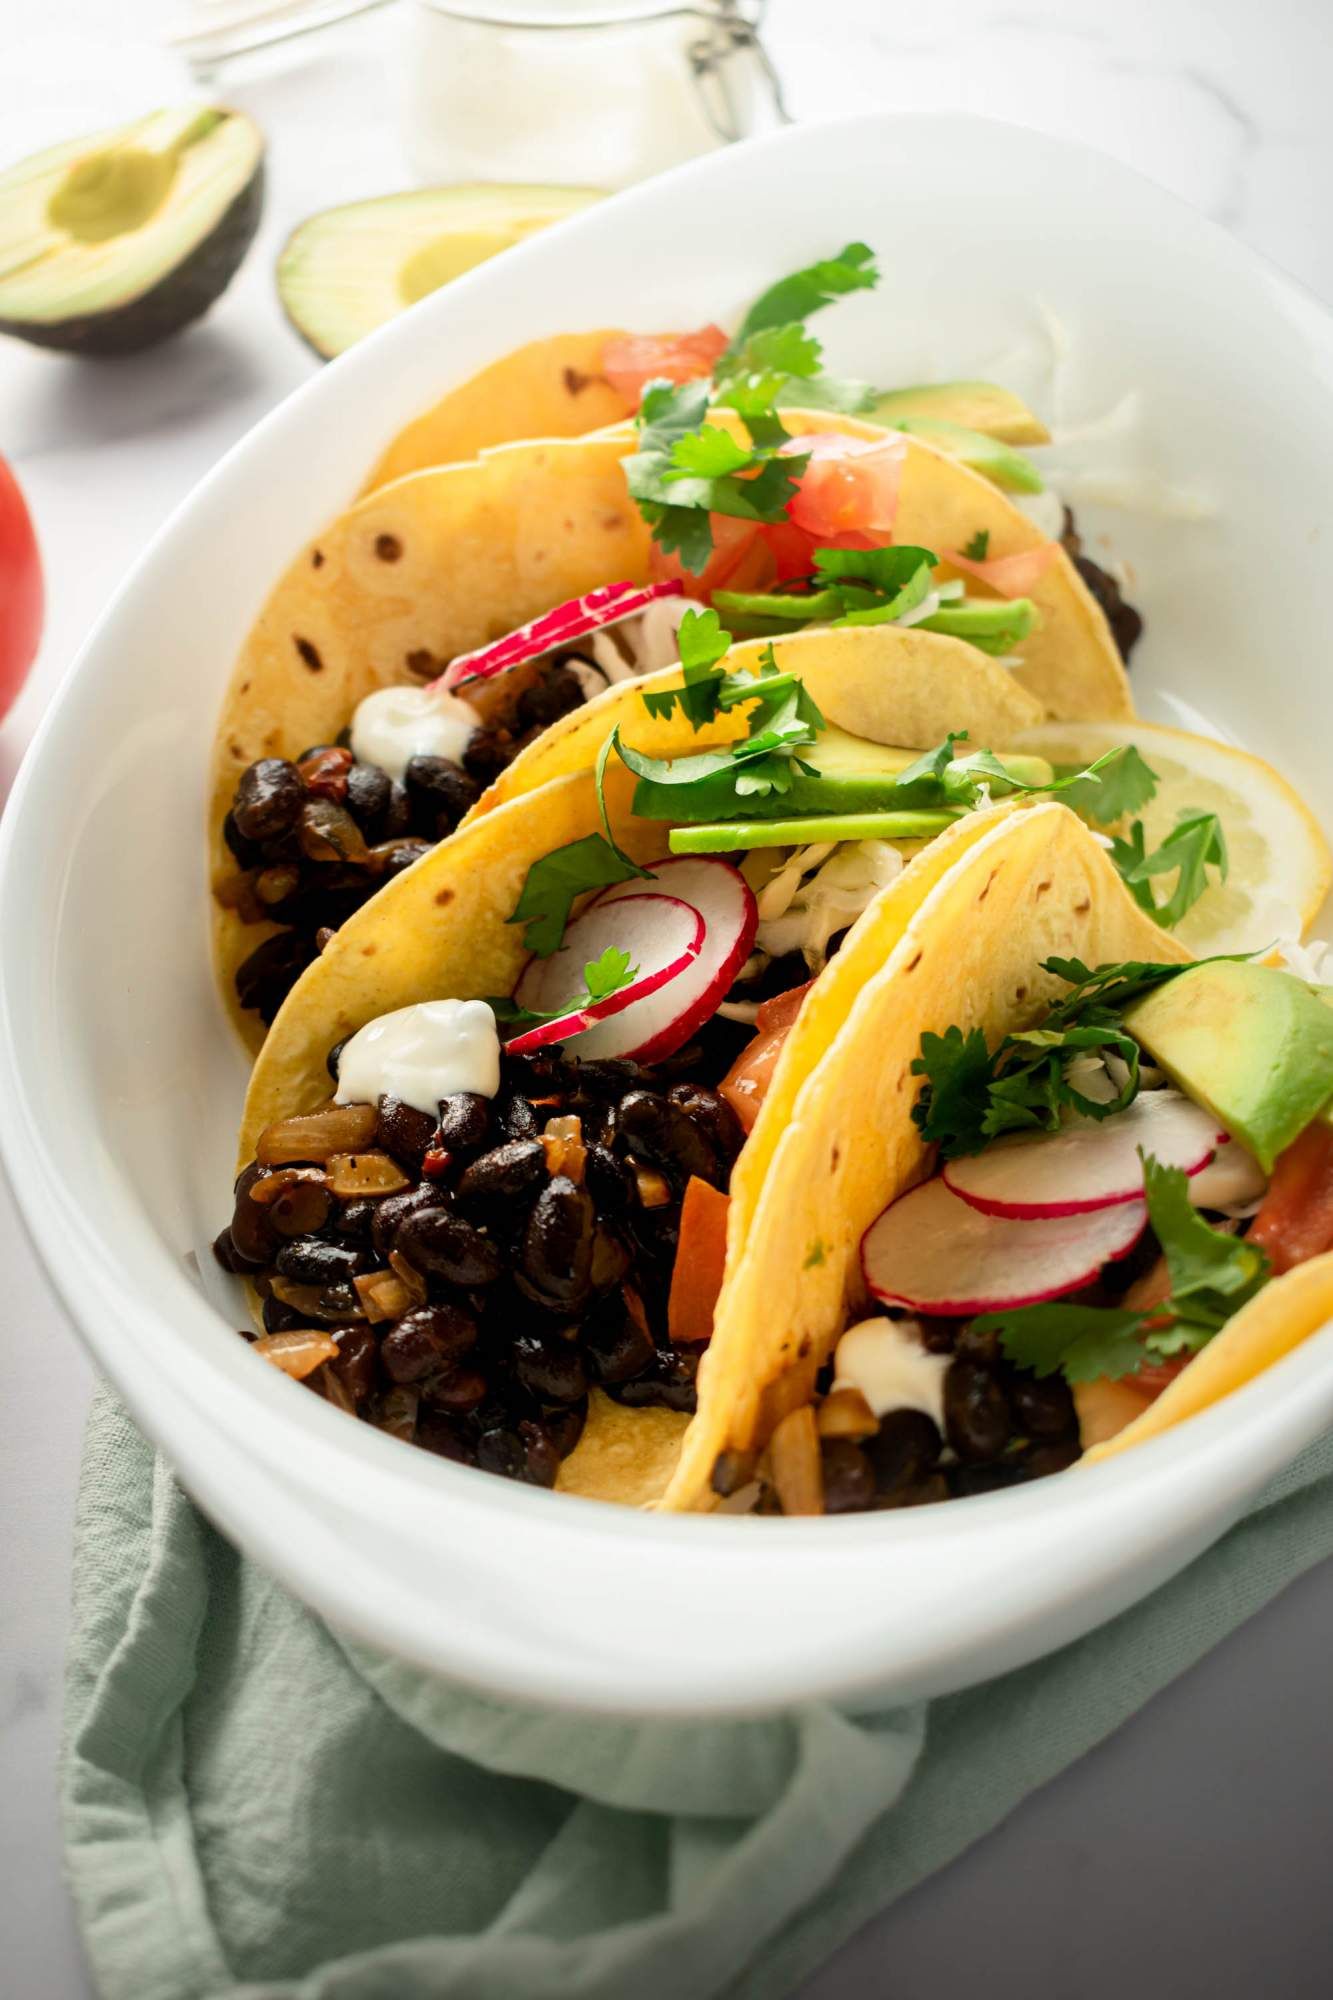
pixel 1113 1188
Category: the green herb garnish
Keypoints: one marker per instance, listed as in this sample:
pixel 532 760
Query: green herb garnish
pixel 809 289
pixel 1195 844
pixel 1213 1274
pixel 686 469
pixel 1124 788
pixel 602 977
pixel 553 884
pixel 978 548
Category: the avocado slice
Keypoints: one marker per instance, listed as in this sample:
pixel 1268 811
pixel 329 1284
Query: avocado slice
pixel 977 406
pixel 730 836
pixel 112 243
pixel 1251 1044
pixel 990 456
pixel 346 270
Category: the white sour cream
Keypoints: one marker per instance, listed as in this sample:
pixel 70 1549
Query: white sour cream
pixel 395 724
pixel 422 1054
pixel 885 1360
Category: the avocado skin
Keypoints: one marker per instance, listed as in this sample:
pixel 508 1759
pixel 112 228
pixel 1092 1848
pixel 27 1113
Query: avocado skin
pixel 182 294
pixel 1251 1044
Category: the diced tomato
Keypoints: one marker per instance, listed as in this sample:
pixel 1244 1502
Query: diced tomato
pixel 1151 1289
pixel 21 595
pixel 1007 576
pixel 1295 1219
pixel 1154 1376
pixel 792 549
pixel 745 1086
pixel 634 359
pixel 741 560
pixel 701 1257
pixel 848 494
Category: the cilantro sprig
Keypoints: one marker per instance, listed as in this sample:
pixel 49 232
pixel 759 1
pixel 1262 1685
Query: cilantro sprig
pixel 554 883
pixel 602 977
pixel 810 289
pixel 974 1093
pixel 1212 1275
pixel 1195 844
pixel 687 469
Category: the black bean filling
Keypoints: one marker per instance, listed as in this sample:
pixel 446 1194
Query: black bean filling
pixel 1125 621
pixel 315 837
pixel 528 1273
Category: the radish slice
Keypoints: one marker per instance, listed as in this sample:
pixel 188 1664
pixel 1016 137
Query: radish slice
pixel 662 1022
pixel 662 936
pixel 1007 576
pixel 607 605
pixel 930 1252
pixel 1231 1176
pixel 1086 1165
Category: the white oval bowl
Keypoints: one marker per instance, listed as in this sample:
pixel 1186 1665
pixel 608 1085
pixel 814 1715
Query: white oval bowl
pixel 122 1084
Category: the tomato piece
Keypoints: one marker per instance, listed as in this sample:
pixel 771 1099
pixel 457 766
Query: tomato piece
pixel 635 359
pixel 1295 1218
pixel 792 550
pixel 1007 576
pixel 22 599
pixel 740 561
pixel 745 1085
pixel 847 497
pixel 1154 1376
pixel 701 1259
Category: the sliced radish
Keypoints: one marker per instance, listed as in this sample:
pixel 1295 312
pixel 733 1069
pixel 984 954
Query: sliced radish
pixel 662 1022
pixel 933 1254
pixel 1231 1176
pixel 1086 1165
pixel 662 936
pixel 607 605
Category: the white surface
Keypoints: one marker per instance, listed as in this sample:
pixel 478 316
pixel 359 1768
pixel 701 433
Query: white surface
pixel 1225 108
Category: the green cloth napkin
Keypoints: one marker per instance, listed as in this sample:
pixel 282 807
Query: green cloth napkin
pixel 259 1809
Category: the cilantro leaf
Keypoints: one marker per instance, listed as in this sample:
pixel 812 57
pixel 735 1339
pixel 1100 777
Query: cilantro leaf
pixel 959 1068
pixel 553 883
pixel 602 977
pixel 709 453
pixel 1124 786
pixel 686 469
pixel 807 290
pixel 1208 1266
pixel 1081 1342
pixel 977 549
pixel 885 570
pixel 1195 844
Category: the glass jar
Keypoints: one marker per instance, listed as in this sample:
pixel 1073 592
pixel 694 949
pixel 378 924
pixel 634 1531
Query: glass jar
pixel 581 93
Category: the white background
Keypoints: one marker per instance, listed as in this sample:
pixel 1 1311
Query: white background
pixel 1187 1857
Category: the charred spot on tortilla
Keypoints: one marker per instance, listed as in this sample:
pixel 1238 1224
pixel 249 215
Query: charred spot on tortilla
pixel 1020 993
pixel 986 891
pixel 444 897
pixel 611 522
pixel 317 559
pixel 576 381
pixel 388 548
pixel 1041 888
pixel 369 950
pixel 422 662
pixel 815 1255
pixel 913 963
pixel 1081 909
pixel 309 654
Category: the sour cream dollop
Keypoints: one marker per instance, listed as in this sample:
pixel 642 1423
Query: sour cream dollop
pixel 395 724
pixel 885 1360
pixel 422 1054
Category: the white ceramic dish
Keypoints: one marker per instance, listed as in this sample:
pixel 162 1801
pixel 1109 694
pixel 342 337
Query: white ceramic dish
pixel 122 1084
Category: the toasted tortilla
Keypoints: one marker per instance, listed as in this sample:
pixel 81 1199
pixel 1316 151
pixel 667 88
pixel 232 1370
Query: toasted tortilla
pixel 544 389
pixel 958 938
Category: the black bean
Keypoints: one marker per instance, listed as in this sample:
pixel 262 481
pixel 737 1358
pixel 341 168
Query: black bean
pixel 976 1412
pixel 354 1221
pixel 501 1451
pixel 439 792
pixel 507 1173
pixel 550 1367
pixel 427 1341
pixel 611 1260
pixel 616 1346
pixel 356 1362
pixel 515 1116
pixel 278 1316
pixel 249 853
pixel 541 1457
pixel 310 1260
pixel 403 853
pixel 849 1483
pixel 553 695
pixel 904 1450
pixel 609 1077
pixel 393 1211
pixel 972 1343
pixel 565 1427
pixel 712 1113
pixel 225 1253
pixel 969 1480
pixel 465 1120
pixel 555 1260
pixel 1045 1459
pixel 404 1132
pixel 252 1235
pixel 368 792
pixel 1043 1409
pixel 268 801
pixel 334 1057
pixel 265 978
pixel 460 1389
pixel 670 1382
pixel 610 1181
pixel 302 1209
pixel 445 1245
pixel 488 752
pixel 655 1128
pixel 445 1436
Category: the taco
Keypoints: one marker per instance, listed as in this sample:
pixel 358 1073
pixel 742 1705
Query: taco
pixel 373 702
pixel 510 1252
pixel 1053 1188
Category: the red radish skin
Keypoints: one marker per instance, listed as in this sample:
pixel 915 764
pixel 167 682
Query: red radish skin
pixel 609 604
pixel 933 1254
pixel 656 1027
pixel 662 935
pixel 1087 1165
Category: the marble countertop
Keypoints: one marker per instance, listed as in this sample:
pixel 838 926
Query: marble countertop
pixel 1187 1856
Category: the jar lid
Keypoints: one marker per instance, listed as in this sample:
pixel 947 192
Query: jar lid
pixel 579 13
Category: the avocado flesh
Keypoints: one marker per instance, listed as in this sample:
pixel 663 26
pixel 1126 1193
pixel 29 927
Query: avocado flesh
pixel 977 406
pixel 1251 1044
pixel 347 270
pixel 112 243
pixel 990 456
pixel 730 836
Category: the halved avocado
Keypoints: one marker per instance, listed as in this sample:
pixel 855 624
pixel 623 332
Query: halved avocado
pixel 114 242
pixel 347 270
pixel 978 406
